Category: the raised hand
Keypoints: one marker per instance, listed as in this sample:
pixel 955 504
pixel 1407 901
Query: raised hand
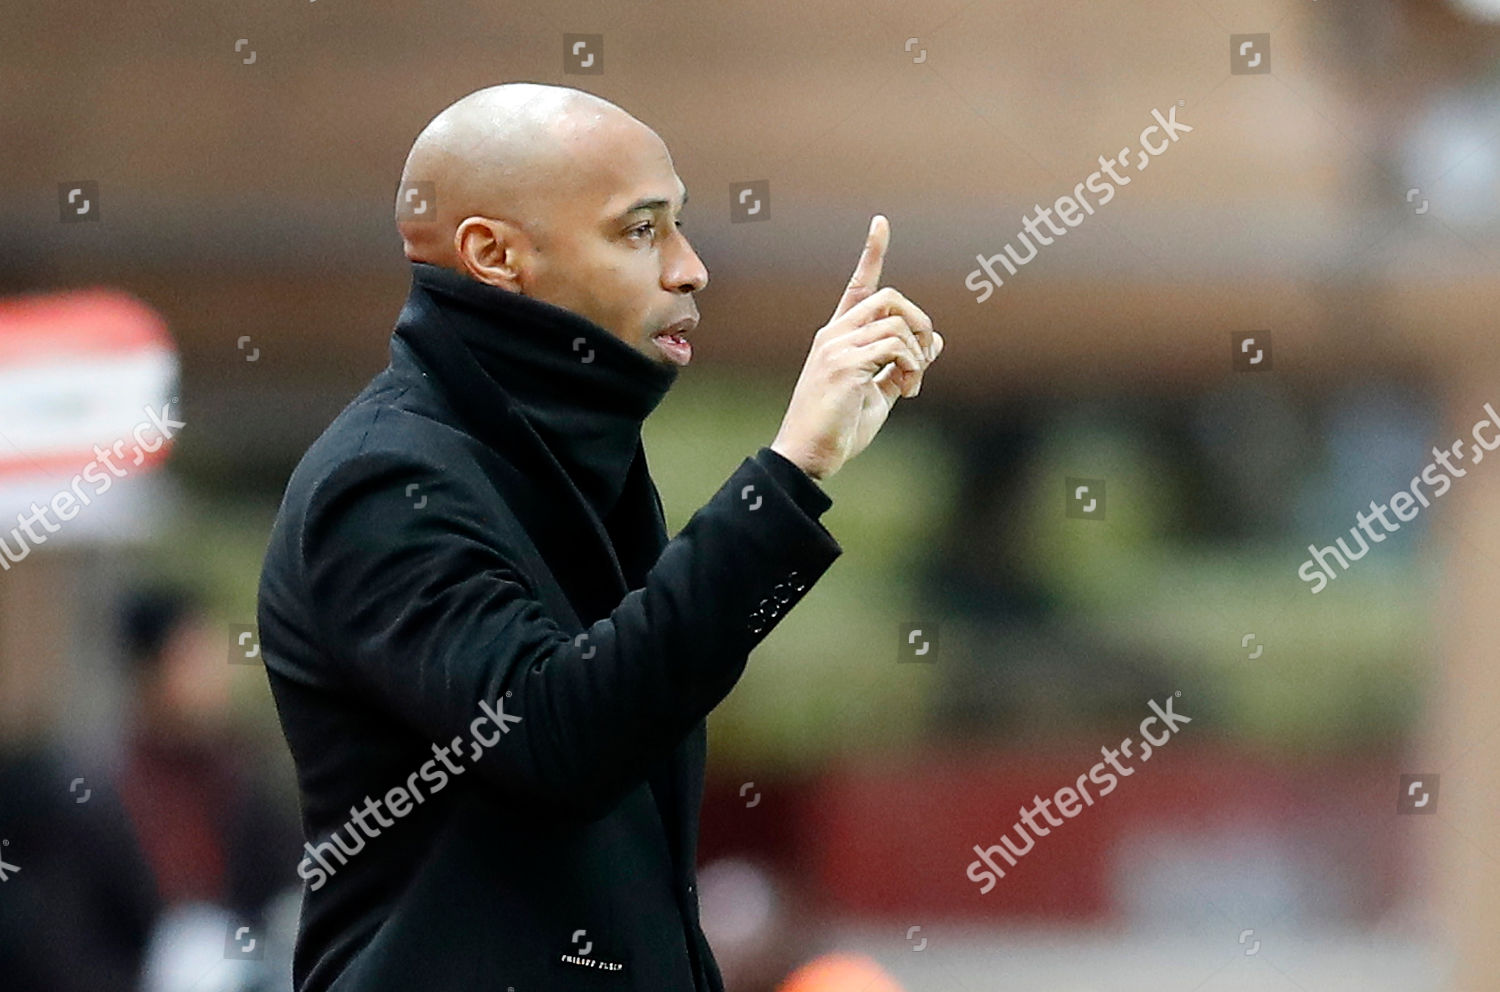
pixel 873 351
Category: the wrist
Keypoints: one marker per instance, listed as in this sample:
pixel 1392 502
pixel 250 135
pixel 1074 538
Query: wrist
pixel 809 468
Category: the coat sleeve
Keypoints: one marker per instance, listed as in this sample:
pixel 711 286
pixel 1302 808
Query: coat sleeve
pixel 421 610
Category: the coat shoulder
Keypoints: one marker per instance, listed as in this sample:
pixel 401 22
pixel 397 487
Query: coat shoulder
pixel 393 433
pixel 394 421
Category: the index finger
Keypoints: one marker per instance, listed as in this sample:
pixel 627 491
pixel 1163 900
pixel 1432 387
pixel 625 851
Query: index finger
pixel 866 278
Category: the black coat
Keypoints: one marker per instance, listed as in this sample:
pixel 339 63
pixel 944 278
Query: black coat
pixel 473 546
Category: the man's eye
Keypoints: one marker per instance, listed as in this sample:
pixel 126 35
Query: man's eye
pixel 649 226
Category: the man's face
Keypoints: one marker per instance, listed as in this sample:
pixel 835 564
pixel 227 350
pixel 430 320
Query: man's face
pixel 612 248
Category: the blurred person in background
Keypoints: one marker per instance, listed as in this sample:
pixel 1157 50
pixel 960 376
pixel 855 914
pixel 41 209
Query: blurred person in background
pixel 219 846
pixel 77 902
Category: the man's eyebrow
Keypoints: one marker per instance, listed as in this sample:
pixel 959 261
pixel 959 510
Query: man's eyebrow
pixel 653 203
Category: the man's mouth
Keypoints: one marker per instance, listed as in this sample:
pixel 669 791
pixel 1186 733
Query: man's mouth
pixel 672 340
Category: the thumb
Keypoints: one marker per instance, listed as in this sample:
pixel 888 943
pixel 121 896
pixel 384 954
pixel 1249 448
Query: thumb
pixel 866 278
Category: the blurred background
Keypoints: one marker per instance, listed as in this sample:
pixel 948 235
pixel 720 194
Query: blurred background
pixel 1285 315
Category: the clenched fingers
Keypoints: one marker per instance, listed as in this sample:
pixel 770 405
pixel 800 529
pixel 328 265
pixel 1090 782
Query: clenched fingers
pixel 885 341
pixel 897 324
pixel 888 301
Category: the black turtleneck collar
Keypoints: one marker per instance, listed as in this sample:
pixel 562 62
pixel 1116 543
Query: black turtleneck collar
pixel 584 391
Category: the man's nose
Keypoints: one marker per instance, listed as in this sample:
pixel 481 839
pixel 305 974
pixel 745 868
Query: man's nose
pixel 685 272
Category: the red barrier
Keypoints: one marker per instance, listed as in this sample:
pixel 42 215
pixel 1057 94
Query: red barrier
pixel 888 837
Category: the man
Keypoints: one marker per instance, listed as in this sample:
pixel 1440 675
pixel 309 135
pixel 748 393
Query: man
pixel 491 665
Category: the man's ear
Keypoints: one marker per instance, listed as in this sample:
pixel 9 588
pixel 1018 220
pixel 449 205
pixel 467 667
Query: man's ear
pixel 492 251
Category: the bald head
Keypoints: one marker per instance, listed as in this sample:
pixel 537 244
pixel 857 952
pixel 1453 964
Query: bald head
pixel 560 195
pixel 507 152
